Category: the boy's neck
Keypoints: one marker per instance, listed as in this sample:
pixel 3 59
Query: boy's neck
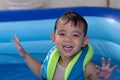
pixel 64 62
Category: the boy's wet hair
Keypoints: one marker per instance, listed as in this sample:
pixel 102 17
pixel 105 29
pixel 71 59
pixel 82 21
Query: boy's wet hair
pixel 73 17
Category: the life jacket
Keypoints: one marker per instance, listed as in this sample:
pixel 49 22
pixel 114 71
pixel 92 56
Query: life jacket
pixel 75 69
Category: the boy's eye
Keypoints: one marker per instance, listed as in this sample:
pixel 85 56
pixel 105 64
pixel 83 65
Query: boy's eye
pixel 61 34
pixel 76 35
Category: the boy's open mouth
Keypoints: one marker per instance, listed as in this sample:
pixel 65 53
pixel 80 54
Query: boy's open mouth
pixel 67 48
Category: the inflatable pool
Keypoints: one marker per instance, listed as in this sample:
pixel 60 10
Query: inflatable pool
pixel 34 27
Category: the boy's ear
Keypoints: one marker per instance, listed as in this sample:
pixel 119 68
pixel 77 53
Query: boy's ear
pixel 86 40
pixel 52 37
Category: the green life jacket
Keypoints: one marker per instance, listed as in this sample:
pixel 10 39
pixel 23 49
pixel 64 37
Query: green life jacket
pixel 75 69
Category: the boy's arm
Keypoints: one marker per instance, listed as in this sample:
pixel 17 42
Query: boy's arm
pixel 90 72
pixel 34 65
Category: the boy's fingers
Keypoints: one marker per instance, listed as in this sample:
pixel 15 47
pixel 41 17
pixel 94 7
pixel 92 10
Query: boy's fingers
pixel 98 69
pixel 103 61
pixel 14 41
pixel 16 38
pixel 108 63
pixel 114 67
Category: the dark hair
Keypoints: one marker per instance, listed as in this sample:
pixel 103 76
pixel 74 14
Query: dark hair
pixel 75 18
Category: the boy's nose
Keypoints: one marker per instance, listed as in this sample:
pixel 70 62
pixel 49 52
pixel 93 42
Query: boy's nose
pixel 67 39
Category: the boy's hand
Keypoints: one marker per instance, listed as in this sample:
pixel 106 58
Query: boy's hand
pixel 105 71
pixel 19 47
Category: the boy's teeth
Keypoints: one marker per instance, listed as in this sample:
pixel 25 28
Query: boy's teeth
pixel 67 47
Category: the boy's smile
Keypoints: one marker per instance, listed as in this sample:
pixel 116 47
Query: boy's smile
pixel 67 48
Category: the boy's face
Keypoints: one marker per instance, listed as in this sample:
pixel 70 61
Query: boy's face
pixel 69 39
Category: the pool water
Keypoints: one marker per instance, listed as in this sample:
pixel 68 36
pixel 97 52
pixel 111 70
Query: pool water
pixel 16 72
pixel 20 71
pixel 13 67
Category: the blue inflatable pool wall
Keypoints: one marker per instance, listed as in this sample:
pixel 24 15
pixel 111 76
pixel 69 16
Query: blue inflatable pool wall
pixel 34 27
